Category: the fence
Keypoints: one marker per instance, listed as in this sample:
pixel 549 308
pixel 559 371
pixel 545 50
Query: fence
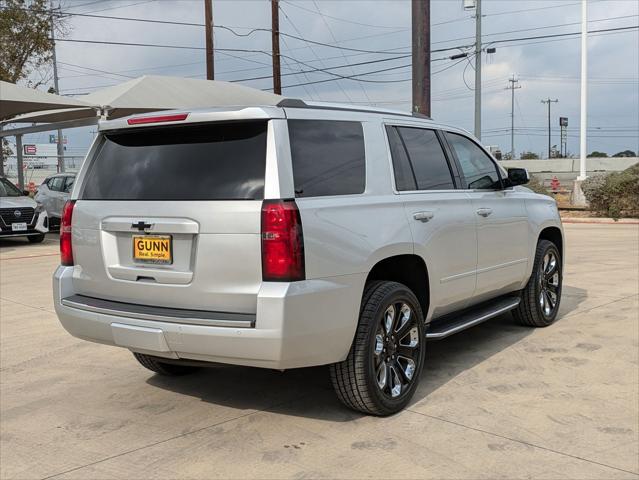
pixel 36 169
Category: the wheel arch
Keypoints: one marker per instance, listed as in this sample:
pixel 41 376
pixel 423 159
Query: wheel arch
pixel 554 235
pixel 407 269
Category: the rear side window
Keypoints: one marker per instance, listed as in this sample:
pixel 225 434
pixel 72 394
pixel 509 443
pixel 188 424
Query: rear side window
pixel 404 176
pixel 190 162
pixel 428 163
pixel 56 184
pixel 328 157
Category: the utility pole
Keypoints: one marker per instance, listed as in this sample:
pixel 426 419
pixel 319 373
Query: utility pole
pixel 1 154
pixel 208 25
pixel 549 101
pixel 420 11
pixel 583 145
pixel 275 42
pixel 478 69
pixel 512 86
pixel 60 146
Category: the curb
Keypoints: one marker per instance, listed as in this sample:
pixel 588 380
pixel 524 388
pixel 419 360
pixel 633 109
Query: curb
pixel 602 221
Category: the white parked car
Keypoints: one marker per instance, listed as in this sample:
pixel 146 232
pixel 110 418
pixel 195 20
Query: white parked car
pixel 54 193
pixel 299 235
pixel 20 215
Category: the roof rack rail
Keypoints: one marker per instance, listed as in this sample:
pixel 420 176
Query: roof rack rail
pixel 295 103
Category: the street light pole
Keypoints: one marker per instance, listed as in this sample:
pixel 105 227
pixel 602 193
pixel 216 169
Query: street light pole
pixel 478 69
pixel 584 91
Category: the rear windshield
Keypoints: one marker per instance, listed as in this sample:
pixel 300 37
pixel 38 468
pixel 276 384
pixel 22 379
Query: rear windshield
pixel 202 162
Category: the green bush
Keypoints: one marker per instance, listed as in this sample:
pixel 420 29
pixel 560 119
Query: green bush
pixel 536 186
pixel 615 194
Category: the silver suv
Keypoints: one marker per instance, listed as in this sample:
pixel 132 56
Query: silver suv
pixel 297 235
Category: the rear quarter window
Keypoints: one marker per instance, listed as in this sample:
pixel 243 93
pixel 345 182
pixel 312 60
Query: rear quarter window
pixel 189 162
pixel 328 157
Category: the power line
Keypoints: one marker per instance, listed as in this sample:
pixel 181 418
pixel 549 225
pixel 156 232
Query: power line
pixel 325 69
pixel 342 19
pixel 186 47
pixel 288 19
pixel 227 28
pixel 355 77
pixel 121 6
pixel 328 27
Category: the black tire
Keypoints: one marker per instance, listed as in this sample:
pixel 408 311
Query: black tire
pixel 530 311
pixel 169 369
pixel 36 238
pixel 356 379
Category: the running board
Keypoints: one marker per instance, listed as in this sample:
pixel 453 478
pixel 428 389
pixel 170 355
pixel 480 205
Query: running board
pixel 441 328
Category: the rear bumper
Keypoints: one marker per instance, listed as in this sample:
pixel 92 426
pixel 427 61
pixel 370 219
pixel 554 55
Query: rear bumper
pixel 296 324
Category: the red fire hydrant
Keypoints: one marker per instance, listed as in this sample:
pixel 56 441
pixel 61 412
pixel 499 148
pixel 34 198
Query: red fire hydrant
pixel 554 184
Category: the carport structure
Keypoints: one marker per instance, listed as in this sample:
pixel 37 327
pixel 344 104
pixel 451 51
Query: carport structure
pixel 148 93
pixel 16 105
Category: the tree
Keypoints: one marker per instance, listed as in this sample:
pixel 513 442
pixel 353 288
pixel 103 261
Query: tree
pixel 529 156
pixel 597 154
pixel 25 39
pixel 625 153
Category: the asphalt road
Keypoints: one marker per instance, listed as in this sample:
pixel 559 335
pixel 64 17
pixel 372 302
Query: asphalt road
pixel 499 400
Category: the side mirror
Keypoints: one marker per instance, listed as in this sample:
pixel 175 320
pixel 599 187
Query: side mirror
pixel 26 193
pixel 517 176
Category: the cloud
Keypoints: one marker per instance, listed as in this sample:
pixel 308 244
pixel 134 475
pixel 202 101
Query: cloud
pixel 545 68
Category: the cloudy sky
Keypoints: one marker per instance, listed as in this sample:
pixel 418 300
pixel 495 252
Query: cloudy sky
pixel 546 67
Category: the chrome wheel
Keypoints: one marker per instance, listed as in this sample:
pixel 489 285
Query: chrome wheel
pixel 549 284
pixel 397 349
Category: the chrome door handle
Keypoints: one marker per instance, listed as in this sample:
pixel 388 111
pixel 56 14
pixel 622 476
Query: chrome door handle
pixel 423 216
pixel 484 212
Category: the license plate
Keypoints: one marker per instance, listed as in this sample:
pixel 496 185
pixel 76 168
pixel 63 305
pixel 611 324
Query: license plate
pixel 18 227
pixel 156 249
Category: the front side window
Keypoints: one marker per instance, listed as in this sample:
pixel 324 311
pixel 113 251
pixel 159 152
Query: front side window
pixel 430 166
pixel 68 184
pixel 478 169
pixel 328 157
pixel 8 189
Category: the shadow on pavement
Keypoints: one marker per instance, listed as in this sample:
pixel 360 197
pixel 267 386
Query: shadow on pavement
pixel 307 392
pixel 14 244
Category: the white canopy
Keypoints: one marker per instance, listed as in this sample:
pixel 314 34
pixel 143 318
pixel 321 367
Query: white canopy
pixel 154 92
pixel 15 100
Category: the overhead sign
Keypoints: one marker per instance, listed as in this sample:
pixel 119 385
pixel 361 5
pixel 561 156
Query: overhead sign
pixel 30 150
pixel 54 138
pixel 41 149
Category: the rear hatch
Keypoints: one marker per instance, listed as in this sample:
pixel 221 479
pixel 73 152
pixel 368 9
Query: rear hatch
pixel 170 216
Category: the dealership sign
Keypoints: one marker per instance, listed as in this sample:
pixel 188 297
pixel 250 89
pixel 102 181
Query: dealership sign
pixel 30 150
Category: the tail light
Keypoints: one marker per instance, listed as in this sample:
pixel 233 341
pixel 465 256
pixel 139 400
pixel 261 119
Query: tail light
pixel 66 251
pixel 282 242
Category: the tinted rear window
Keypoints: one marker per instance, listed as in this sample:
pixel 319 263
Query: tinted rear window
pixel 328 157
pixel 202 162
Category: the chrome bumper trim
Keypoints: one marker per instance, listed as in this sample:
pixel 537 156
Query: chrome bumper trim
pixel 160 314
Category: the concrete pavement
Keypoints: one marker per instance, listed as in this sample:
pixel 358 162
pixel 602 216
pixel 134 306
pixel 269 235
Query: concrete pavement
pixel 496 401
